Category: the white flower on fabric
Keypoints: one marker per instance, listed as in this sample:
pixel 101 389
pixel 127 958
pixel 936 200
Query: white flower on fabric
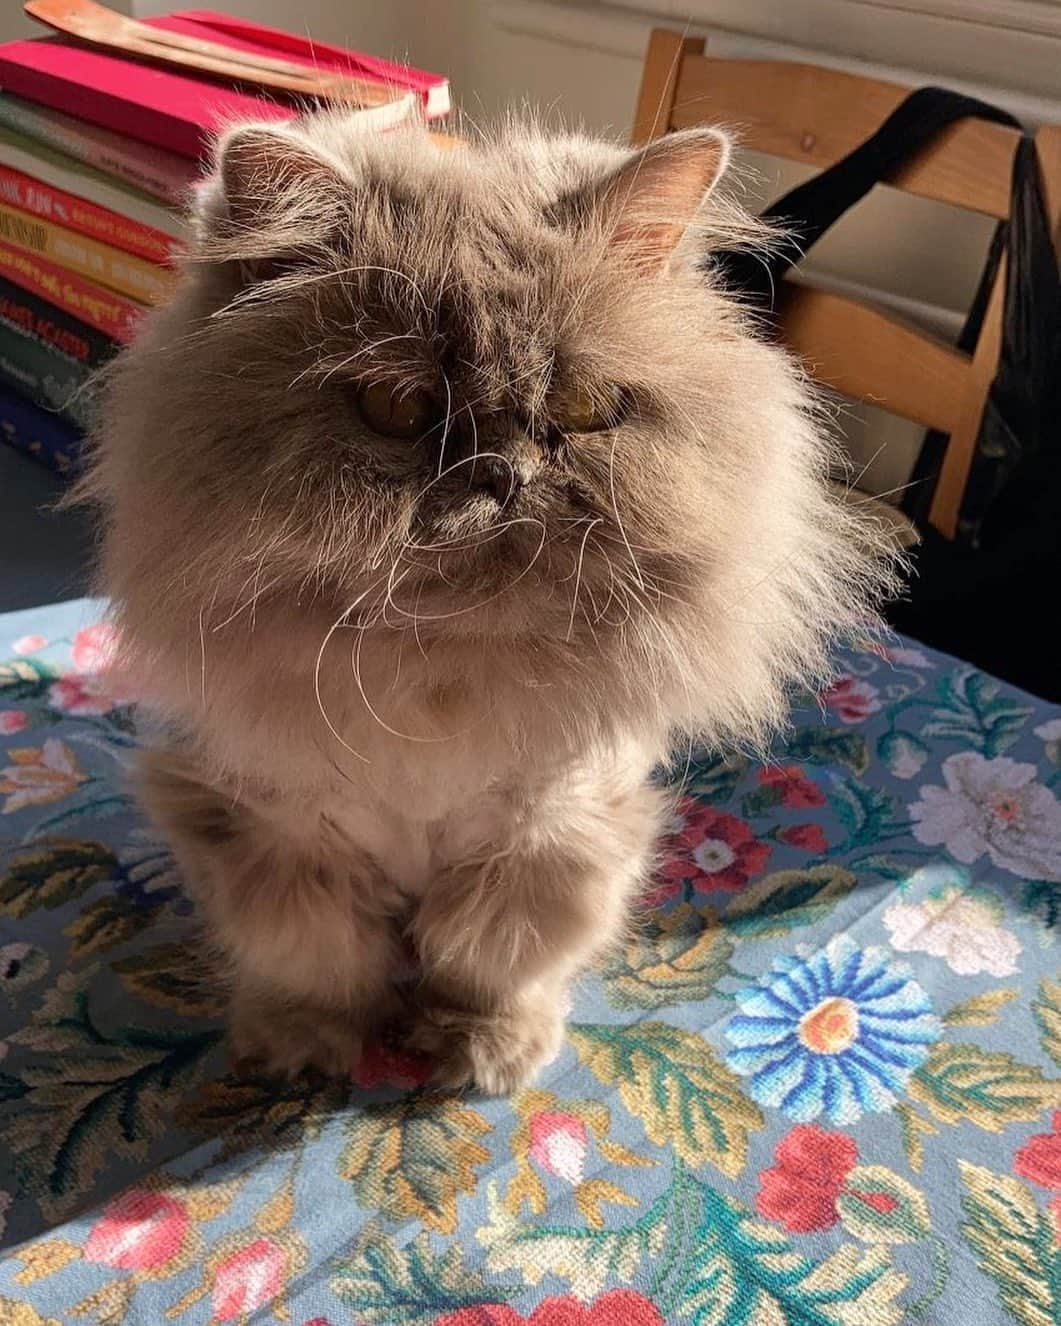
pixel 960 927
pixel 992 806
pixel 909 658
pixel 29 644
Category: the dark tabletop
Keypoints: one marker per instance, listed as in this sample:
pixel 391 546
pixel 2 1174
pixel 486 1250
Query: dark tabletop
pixel 44 554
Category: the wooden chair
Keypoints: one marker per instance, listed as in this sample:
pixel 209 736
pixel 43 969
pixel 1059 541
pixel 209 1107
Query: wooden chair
pixel 815 115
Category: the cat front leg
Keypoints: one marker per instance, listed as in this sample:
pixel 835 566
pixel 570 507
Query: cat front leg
pixel 501 934
pixel 296 914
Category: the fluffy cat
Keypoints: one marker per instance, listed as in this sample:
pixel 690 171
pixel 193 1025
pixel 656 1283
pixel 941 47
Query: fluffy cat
pixel 446 490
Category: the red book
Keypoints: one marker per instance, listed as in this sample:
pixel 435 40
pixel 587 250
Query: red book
pixel 110 313
pixel 40 199
pixel 181 113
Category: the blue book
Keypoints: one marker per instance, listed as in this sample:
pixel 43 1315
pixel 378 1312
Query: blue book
pixel 45 436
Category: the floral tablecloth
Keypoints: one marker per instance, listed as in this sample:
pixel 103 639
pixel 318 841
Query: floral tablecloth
pixel 821 1085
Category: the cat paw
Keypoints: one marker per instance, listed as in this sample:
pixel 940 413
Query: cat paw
pixel 286 1042
pixel 498 1053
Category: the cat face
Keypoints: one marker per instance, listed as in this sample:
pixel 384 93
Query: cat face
pixel 440 374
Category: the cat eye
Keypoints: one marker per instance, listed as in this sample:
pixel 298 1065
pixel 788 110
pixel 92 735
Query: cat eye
pixel 395 412
pixel 577 411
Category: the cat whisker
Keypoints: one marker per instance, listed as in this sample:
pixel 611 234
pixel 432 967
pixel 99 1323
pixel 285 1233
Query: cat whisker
pixel 888 492
pixel 452 469
pixel 615 511
pixel 578 576
pixel 853 483
pixel 355 667
pixel 335 626
pixel 488 535
pixel 505 386
pixel 371 348
pixel 475 435
pixel 266 290
pixel 255 596
pixel 445 426
pixel 475 607
pixel 202 656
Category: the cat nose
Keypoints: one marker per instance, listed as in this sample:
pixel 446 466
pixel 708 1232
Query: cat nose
pixel 497 477
pixel 503 477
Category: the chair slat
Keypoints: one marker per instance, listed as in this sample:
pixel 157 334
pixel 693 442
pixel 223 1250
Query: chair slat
pixel 804 113
pixel 862 353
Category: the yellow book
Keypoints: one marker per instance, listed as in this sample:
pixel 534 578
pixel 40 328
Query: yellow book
pixel 111 267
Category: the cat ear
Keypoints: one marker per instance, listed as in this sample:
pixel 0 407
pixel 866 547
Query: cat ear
pixel 649 202
pixel 274 194
pixel 265 171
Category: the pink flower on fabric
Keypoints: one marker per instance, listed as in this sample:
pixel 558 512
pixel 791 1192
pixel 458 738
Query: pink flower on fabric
pixel 29 644
pixel 558 1144
pixel 94 647
pixel 710 851
pixel 138 1231
pixel 1039 1159
pixel 851 700
pixel 381 1066
pixel 248 1279
pixel 82 697
pixel 797 790
pixel 618 1307
pixel 809 837
pixel 802 1187
pixel 12 720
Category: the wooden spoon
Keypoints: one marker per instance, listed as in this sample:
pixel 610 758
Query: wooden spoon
pixel 98 26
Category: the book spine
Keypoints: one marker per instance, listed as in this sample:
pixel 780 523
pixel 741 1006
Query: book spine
pixel 104 151
pixel 113 315
pixel 50 324
pixel 88 257
pixel 44 374
pixel 99 223
pixel 39 433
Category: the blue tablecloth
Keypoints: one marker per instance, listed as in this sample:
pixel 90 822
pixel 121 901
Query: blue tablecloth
pixel 818 1086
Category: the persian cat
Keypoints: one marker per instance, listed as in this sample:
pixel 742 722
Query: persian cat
pixel 447 489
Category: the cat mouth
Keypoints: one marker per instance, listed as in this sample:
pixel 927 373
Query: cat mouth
pixel 497 523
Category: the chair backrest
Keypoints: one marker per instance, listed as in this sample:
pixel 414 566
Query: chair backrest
pixel 805 113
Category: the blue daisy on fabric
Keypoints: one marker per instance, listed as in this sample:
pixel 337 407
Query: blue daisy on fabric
pixel 836 1032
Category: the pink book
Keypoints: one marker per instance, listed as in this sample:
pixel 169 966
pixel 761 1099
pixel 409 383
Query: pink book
pixel 179 113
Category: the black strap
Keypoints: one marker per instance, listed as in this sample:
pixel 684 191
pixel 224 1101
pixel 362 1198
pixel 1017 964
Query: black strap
pixel 807 212
pixel 1017 431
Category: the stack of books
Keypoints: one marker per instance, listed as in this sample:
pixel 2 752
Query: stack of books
pixel 99 155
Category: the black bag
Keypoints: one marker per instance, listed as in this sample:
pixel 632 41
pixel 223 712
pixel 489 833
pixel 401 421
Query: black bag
pixel 990 595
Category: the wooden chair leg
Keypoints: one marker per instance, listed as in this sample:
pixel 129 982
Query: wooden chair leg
pixel 961 447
